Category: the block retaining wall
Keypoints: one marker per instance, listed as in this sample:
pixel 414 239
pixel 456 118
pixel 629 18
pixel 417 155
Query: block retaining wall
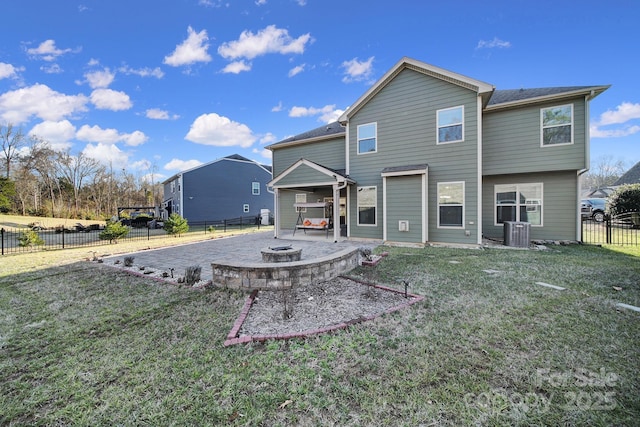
pixel 284 275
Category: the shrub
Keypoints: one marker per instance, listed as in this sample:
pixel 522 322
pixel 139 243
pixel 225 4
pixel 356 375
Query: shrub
pixel 192 274
pixel 114 231
pixel 128 261
pixel 176 225
pixel 30 238
pixel 626 198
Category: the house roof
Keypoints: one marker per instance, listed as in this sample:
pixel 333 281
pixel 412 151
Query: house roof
pixel 482 88
pixel 632 176
pixel 232 157
pixel 329 130
pixel 512 97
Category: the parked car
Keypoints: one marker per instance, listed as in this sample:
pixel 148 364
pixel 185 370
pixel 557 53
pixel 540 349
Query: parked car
pixel 593 209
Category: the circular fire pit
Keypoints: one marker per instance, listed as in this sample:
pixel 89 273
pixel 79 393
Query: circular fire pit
pixel 281 254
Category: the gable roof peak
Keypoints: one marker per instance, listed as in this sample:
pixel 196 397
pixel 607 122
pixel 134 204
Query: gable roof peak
pixel 482 88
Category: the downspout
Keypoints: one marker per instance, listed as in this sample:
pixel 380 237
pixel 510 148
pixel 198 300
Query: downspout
pixel 336 210
pixel 587 160
pixel 479 166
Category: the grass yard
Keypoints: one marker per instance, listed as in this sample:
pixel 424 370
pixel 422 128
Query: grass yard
pixel 82 344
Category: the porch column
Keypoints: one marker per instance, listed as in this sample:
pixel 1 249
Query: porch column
pixel 336 212
pixel 276 213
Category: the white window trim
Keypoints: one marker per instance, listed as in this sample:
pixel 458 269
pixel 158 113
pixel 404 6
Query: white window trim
pixel 450 227
pixel 255 189
pixel 540 206
pixel 542 127
pixel 438 142
pixel 375 219
pixel 358 138
pixel 301 198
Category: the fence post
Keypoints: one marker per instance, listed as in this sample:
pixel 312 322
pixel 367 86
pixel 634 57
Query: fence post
pixel 607 221
pixel 62 237
pixel 2 238
pixel 148 233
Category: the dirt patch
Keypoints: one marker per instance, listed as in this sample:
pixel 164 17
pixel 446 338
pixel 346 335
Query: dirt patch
pixel 314 307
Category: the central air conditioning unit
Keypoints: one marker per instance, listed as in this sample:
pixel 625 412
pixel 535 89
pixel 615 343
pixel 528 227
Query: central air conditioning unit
pixel 516 234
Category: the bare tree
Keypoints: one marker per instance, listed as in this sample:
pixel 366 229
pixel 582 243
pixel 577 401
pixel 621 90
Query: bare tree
pixel 75 169
pixel 12 140
pixel 604 172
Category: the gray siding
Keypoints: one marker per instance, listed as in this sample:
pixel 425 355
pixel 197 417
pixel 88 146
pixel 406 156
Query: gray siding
pixel 302 175
pixel 404 202
pixel 328 153
pixel 405 112
pixel 559 204
pixel 511 142
pixel 219 190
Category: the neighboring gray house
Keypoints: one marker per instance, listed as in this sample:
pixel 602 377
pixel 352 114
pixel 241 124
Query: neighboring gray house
pixel 632 176
pixel 429 155
pixel 226 188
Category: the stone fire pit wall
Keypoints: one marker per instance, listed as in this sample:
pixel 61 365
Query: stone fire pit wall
pixel 283 275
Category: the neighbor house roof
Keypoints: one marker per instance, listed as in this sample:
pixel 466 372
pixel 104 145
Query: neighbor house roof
pixel 232 157
pixel 632 176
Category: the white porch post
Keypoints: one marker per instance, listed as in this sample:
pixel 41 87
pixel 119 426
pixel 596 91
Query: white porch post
pixel 276 213
pixel 336 212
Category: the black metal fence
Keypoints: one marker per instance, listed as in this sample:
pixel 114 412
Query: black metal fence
pixel 623 230
pixel 15 240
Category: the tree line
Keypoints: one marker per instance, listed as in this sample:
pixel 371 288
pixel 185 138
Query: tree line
pixel 43 181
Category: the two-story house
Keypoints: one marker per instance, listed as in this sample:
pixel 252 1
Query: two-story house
pixel 226 188
pixel 429 155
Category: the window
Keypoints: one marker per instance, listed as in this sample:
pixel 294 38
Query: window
pixel 451 204
pixel 245 208
pixel 367 199
pixel 557 125
pixel 301 198
pixel 451 125
pixel 367 137
pixel 173 186
pixel 255 188
pixel 518 202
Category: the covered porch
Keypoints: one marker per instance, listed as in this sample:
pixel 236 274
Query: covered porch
pixel 310 202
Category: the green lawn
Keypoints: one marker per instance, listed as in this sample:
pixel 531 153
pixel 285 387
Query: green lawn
pixel 82 344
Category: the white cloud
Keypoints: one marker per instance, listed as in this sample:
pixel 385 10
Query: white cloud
pixel 219 131
pixel 301 2
pixel 108 99
pixel 192 50
pixel 143 164
pixel 267 138
pixel 261 2
pixel 107 154
pixel 495 43
pixel 158 114
pixel 277 108
pixel 142 72
pixel 356 71
pixel 39 100
pixel 327 114
pixel 110 136
pixel 267 154
pixel 296 70
pixel 100 79
pixel 47 51
pixel 269 40
pixel 623 113
pixel 52 69
pixel 237 67
pixel 9 71
pixel 57 134
pixel 181 165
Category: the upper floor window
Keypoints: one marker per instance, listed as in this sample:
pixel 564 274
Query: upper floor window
pixel 367 201
pixel 451 204
pixel 557 125
pixel 255 188
pixel 451 125
pixel 367 137
pixel 518 202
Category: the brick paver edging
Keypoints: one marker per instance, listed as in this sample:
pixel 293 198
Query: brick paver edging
pixel 233 338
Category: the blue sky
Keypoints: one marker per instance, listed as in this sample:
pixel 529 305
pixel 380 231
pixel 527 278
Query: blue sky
pixel 157 86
